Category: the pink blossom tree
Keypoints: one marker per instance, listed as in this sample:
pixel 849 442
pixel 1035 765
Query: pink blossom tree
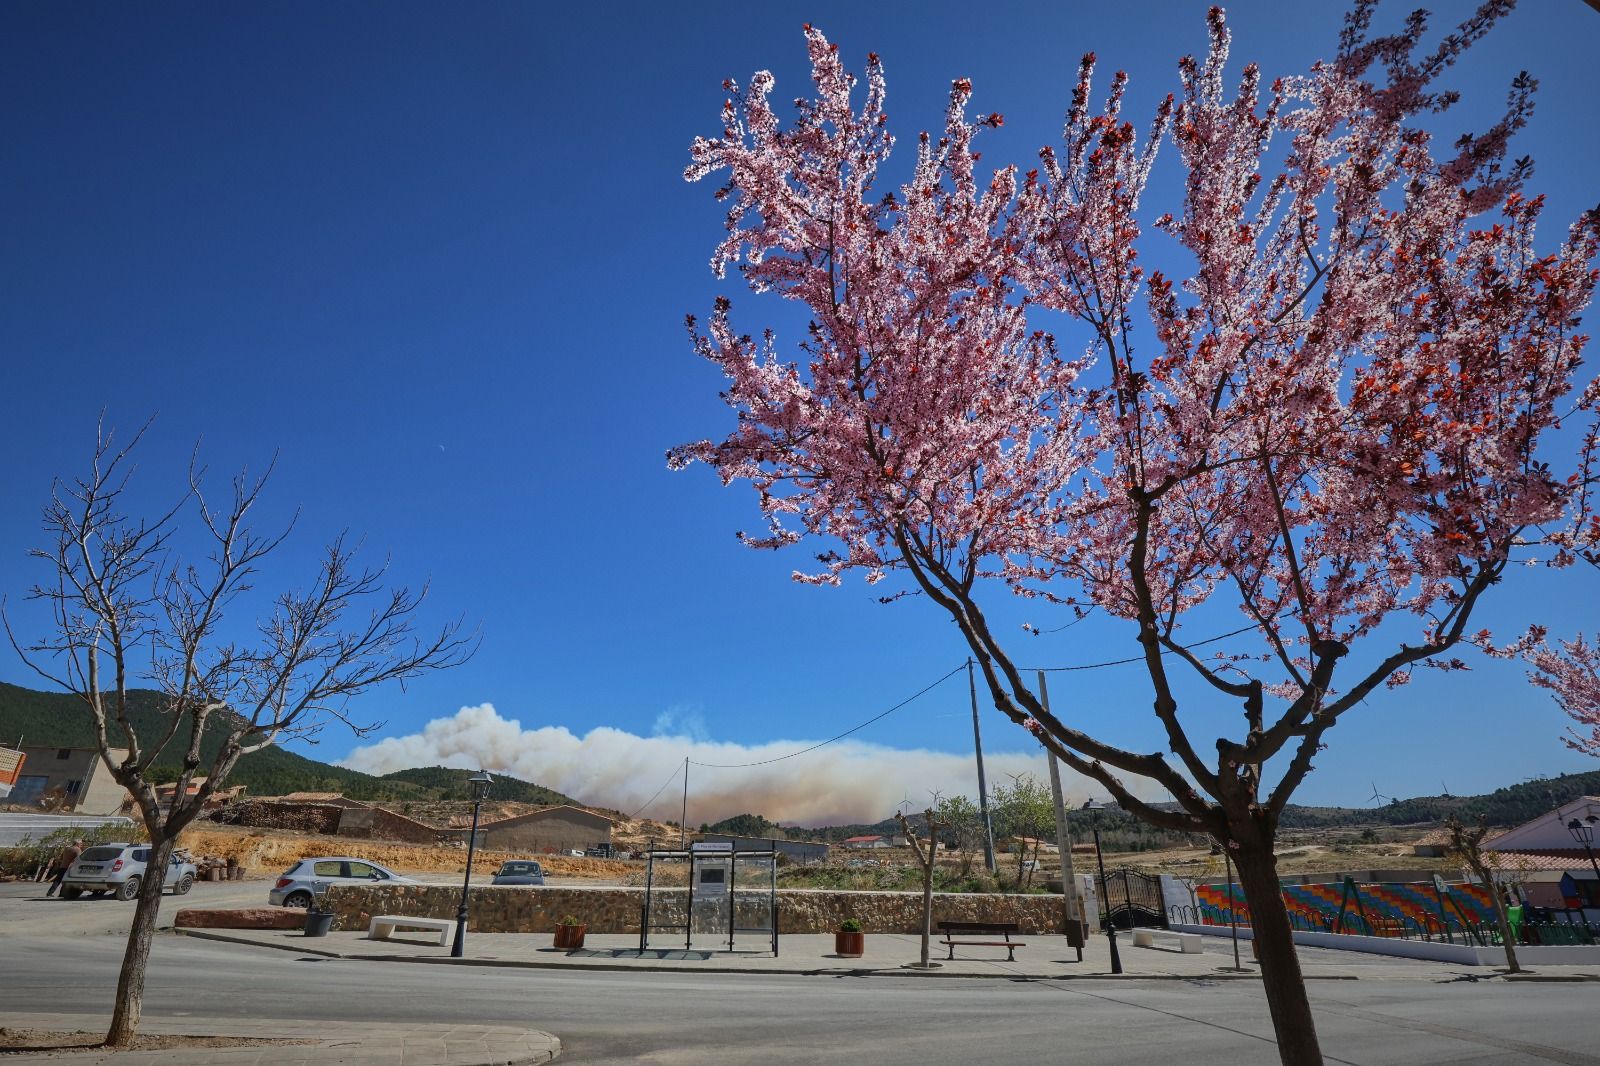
pixel 1333 419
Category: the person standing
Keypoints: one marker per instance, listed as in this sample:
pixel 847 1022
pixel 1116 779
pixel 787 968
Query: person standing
pixel 61 864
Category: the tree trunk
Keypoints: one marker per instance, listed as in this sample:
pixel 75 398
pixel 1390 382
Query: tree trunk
pixel 1280 965
pixel 927 896
pixel 1500 917
pixel 130 982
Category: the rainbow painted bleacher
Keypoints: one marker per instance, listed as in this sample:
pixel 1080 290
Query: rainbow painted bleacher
pixel 1393 909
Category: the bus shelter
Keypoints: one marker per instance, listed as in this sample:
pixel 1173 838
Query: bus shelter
pixel 713 901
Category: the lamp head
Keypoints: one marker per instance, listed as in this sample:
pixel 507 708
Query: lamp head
pixel 480 783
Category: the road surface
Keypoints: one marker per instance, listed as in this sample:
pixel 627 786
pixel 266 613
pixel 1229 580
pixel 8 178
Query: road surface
pixel 667 1019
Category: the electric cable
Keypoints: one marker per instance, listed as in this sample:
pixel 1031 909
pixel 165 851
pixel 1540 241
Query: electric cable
pixel 853 729
pixel 660 790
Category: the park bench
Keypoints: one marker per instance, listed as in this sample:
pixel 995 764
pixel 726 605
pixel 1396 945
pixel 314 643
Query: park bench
pixel 1188 943
pixel 951 930
pixel 384 925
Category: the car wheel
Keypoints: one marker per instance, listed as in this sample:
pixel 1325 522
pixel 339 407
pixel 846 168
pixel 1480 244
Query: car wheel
pixel 129 889
pixel 185 883
pixel 301 900
pixel 68 892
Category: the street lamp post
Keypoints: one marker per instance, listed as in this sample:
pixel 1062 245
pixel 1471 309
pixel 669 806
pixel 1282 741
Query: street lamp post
pixel 1105 908
pixel 1583 833
pixel 480 783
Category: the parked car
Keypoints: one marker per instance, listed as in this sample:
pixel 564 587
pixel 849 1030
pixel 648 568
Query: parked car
pixel 120 869
pixel 307 880
pixel 519 872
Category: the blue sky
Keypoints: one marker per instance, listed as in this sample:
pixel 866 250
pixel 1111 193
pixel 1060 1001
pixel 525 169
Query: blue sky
pixel 437 257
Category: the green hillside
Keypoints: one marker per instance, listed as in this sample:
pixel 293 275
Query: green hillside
pixel 60 720
pixel 447 783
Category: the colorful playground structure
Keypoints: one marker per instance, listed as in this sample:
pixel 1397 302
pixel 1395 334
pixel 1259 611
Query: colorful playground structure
pixel 1372 909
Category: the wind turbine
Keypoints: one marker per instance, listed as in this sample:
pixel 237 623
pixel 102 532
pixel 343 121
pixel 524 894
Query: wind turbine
pixel 1446 790
pixel 1376 795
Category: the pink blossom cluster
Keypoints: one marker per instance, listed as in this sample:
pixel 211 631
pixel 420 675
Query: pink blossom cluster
pixel 1336 415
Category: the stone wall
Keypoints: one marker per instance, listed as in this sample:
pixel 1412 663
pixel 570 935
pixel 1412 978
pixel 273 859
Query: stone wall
pixel 520 909
pixel 320 818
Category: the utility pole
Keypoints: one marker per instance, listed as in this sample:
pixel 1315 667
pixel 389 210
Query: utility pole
pixel 983 787
pixel 683 821
pixel 1069 879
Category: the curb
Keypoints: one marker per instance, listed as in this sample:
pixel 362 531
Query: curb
pixel 648 967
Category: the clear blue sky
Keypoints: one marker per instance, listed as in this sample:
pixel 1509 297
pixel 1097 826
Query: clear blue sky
pixel 437 258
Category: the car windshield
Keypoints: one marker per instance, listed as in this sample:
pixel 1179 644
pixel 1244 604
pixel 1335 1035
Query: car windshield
pixel 100 854
pixel 519 868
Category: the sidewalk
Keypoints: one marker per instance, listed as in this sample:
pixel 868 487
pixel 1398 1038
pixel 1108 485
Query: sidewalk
pixel 334 1043
pixel 1043 957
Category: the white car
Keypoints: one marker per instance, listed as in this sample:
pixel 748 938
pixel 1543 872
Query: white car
pixel 308 880
pixel 119 868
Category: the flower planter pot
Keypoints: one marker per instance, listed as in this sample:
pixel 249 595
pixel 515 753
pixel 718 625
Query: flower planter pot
pixel 570 937
pixel 849 945
pixel 318 922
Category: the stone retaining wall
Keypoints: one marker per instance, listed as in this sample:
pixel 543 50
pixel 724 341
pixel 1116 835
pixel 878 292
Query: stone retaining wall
pixel 520 909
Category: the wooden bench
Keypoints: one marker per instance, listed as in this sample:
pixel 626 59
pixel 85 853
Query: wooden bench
pixel 950 930
pixel 1188 943
pixel 384 925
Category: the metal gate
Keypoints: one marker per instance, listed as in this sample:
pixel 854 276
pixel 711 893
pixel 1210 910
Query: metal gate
pixel 1132 898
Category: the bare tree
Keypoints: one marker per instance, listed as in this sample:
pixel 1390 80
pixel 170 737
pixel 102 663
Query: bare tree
pixel 1467 845
pixel 128 612
pixel 925 858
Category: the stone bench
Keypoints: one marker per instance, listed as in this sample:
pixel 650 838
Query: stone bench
pixel 1188 943
pixel 384 925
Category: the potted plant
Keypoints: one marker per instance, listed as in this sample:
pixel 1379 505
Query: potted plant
pixel 569 933
pixel 848 940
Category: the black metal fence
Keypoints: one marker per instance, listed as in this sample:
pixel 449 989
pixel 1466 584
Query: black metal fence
pixel 1132 898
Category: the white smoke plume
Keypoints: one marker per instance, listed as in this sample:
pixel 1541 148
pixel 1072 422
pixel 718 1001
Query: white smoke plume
pixel 843 783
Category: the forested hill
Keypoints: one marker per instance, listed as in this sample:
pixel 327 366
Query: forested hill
pixel 1511 805
pixel 449 783
pixel 60 720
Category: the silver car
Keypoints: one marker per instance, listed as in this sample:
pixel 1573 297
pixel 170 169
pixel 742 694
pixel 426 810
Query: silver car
pixel 120 868
pixel 307 880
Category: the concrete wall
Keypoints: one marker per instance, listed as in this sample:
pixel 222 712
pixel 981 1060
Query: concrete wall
pixel 375 823
pixel 558 829
pixel 97 791
pixel 618 910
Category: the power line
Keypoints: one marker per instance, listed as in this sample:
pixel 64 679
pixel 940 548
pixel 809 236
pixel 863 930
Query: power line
pixel 1140 658
pixel 853 729
pixel 660 790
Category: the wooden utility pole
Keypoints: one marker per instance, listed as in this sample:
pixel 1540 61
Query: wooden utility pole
pixel 683 821
pixel 1069 879
pixel 983 786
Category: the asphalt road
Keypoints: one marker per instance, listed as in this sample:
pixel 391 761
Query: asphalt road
pixel 715 1019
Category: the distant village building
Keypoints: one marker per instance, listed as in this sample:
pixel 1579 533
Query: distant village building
pixel 554 829
pixel 873 842
pixel 1552 866
pixel 1432 845
pixel 68 779
pixel 801 851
